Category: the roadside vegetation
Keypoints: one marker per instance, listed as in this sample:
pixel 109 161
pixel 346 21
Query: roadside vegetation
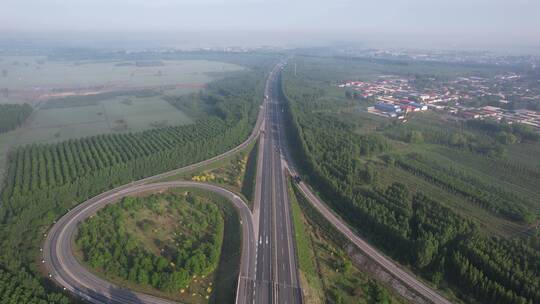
pixel 170 242
pixel 236 173
pixel 327 273
pixel 19 288
pixel 429 192
pixel 231 173
pixel 44 181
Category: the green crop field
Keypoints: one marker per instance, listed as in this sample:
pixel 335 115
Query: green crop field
pixel 125 113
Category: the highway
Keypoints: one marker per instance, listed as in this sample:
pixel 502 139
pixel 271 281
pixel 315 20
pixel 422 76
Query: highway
pixel 276 269
pixel 66 271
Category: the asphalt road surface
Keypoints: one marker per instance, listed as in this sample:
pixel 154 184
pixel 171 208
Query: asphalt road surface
pixel 276 269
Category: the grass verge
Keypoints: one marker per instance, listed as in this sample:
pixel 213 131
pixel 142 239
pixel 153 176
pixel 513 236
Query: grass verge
pixel 236 173
pixel 250 173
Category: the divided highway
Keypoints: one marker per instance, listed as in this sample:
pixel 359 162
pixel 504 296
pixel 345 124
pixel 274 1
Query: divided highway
pixel 276 268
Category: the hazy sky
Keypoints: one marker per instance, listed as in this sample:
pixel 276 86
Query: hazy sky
pixel 501 21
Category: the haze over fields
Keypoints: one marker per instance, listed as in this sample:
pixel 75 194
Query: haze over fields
pixel 496 24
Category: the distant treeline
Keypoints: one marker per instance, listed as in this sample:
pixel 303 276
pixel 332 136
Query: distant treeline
pixel 13 115
pixel 93 99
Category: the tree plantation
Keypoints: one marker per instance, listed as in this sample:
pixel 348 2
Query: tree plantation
pixel 491 198
pixel 22 288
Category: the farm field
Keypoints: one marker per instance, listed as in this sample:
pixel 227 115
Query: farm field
pixel 125 113
pixel 76 99
pixel 30 79
pixel 506 173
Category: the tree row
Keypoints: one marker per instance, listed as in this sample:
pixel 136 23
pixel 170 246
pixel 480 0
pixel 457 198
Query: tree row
pixel 13 115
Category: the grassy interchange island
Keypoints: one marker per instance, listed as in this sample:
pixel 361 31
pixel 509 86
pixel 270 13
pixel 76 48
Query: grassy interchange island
pixel 167 244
